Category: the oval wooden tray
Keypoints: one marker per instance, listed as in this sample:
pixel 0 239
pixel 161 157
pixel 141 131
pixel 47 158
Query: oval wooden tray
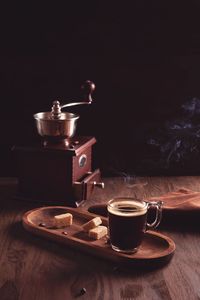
pixel 155 247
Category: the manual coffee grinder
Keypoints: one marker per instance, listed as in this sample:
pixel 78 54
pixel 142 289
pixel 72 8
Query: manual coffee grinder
pixel 59 171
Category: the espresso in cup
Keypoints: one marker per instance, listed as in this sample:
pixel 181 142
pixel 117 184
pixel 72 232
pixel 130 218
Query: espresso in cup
pixel 128 223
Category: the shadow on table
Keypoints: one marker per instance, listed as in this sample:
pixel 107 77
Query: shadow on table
pixel 187 221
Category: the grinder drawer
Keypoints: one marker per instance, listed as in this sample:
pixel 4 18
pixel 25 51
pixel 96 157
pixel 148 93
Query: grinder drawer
pixel 83 188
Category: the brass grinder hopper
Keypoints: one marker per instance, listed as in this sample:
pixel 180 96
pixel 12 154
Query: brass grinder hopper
pixel 57 126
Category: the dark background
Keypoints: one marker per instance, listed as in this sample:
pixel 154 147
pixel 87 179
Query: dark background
pixel 145 61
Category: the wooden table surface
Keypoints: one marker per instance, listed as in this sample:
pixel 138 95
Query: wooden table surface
pixel 34 268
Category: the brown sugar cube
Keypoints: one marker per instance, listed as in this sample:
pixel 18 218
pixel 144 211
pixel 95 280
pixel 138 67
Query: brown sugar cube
pixel 63 220
pixel 98 232
pixel 92 224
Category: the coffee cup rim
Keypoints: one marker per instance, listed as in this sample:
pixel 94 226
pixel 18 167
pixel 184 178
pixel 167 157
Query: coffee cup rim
pixel 145 204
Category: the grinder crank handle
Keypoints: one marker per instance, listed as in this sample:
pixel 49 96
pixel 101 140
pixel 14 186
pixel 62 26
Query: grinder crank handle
pixel 88 88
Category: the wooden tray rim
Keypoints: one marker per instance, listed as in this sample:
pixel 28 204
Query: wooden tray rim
pixel 54 234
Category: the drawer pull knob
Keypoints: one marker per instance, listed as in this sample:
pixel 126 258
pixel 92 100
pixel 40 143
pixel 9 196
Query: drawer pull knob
pixel 99 184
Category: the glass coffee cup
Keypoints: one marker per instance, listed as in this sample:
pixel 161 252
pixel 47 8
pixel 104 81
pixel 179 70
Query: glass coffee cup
pixel 127 219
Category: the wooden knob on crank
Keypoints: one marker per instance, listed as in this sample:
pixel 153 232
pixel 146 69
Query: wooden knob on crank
pixel 88 88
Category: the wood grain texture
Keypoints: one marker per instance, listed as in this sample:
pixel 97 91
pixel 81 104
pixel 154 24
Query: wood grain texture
pixel 33 268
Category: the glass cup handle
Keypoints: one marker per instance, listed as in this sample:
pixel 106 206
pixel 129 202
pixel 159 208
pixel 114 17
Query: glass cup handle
pixel 158 206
